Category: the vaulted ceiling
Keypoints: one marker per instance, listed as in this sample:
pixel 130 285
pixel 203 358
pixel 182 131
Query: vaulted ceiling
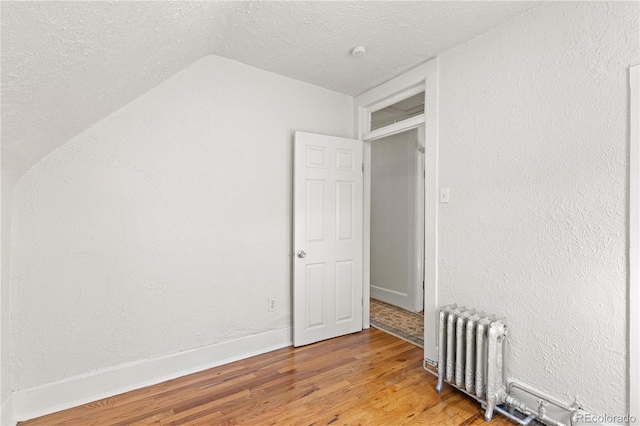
pixel 66 65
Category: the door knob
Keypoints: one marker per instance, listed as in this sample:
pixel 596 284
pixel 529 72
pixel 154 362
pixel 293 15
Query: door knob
pixel 301 254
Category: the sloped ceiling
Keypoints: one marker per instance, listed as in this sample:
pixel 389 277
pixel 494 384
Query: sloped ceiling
pixel 66 65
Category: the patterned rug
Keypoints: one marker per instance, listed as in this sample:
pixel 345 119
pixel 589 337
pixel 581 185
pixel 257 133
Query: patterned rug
pixel 396 321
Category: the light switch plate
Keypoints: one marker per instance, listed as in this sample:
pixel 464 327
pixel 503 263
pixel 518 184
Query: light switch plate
pixel 444 195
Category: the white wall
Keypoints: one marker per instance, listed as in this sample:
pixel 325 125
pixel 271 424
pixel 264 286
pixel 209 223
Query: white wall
pixel 534 147
pixel 393 218
pixel 165 226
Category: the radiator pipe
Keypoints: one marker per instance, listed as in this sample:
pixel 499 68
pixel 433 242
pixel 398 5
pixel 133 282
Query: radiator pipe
pixel 571 408
pixel 544 400
pixel 523 422
pixel 541 415
pixel 520 406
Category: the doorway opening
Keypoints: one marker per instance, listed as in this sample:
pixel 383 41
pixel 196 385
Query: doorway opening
pixel 421 84
pixel 397 234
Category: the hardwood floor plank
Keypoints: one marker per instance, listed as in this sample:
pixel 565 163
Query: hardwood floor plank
pixel 367 378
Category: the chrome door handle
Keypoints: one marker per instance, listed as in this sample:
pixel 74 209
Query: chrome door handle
pixel 301 254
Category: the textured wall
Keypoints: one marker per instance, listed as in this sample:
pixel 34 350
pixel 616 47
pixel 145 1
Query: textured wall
pixel 67 65
pixel 165 226
pixel 534 146
pixel 393 204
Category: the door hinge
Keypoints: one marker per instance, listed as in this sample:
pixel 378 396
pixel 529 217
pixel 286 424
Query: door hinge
pixel 362 167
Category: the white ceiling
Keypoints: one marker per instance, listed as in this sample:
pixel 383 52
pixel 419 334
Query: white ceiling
pixel 66 65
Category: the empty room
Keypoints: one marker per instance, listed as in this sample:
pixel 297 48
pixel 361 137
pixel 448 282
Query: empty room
pixel 206 204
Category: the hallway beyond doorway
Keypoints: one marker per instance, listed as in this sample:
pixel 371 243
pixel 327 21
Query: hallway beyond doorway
pixel 398 322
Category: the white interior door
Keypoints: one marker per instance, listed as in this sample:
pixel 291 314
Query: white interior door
pixel 327 250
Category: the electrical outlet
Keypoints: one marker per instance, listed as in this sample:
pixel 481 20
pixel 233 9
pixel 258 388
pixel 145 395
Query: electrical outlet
pixel 272 304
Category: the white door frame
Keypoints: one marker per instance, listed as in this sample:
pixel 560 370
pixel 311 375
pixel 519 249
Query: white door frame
pixel 634 243
pixel 419 221
pixel 424 77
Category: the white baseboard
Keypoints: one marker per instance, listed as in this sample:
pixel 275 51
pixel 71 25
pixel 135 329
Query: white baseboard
pixel 6 412
pixel 392 297
pixel 61 395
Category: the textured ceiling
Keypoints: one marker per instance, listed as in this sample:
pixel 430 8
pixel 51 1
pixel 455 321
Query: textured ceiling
pixel 66 65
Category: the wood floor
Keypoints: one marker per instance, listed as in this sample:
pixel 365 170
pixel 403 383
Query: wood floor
pixel 368 378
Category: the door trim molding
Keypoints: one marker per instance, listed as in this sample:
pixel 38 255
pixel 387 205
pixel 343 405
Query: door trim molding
pixel 634 243
pixel 423 77
pixel 392 129
pixel 419 221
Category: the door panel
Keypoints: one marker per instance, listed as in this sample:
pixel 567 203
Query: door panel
pixel 328 203
pixel 315 208
pixel 344 290
pixel 315 282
